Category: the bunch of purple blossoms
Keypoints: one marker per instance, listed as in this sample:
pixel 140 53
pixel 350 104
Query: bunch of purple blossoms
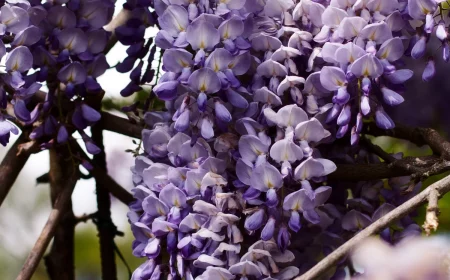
pixel 234 164
pixel 132 34
pixel 59 44
pixel 362 50
pixel 431 16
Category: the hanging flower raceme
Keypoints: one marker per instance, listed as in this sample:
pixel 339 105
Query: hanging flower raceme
pixel 61 44
pixel 253 92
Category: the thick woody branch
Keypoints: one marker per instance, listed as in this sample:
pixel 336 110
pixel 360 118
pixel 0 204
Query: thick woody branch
pixel 441 187
pixel 120 125
pixel 419 136
pixel 417 167
pixel 13 162
pixel 48 231
pixel 60 260
pixel 365 172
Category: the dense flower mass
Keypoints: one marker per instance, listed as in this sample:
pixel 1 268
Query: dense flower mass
pixel 59 44
pixel 255 92
pixel 232 178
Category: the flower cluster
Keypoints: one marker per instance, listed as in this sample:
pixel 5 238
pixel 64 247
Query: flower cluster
pixel 132 34
pixel 431 18
pixel 235 165
pixel 59 44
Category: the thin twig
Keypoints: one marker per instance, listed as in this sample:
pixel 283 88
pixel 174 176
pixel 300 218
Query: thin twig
pixel 431 218
pixel 441 187
pixel 12 164
pixel 48 231
pixel 85 217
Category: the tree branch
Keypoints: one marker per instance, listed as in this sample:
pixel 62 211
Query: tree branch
pixel 85 217
pixel 48 231
pixel 419 136
pixel 60 260
pixel 431 219
pixel 121 125
pixel 105 226
pixel 441 187
pixel 13 162
pixel 417 167
pixel 365 172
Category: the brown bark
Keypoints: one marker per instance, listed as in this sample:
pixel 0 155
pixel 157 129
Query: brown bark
pixel 120 125
pixel 12 164
pixel 105 226
pixel 48 231
pixel 60 260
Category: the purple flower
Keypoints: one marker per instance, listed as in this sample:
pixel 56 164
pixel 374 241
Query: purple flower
pixel 27 37
pixel 13 19
pixel 355 220
pixel 73 73
pixel 5 129
pixel 174 20
pixel 252 91
pixel 20 59
pixel 73 40
pixel 429 71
